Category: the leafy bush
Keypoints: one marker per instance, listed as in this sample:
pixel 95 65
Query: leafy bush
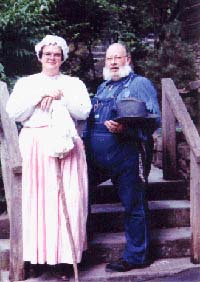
pixel 2 74
pixel 173 59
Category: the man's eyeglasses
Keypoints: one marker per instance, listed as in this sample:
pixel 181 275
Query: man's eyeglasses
pixel 116 58
pixel 54 55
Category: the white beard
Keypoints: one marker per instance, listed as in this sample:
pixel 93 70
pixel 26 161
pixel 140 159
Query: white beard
pixel 123 71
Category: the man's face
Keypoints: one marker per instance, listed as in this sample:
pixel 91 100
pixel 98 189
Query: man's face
pixel 116 59
pixel 51 58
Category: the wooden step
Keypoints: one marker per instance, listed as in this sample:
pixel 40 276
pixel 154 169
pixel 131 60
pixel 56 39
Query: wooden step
pixel 110 217
pixel 105 247
pixel 165 243
pixel 169 213
pixel 157 190
pixel 98 55
pixel 99 48
pixel 161 269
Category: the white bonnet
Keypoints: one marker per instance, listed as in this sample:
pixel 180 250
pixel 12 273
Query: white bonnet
pixel 53 39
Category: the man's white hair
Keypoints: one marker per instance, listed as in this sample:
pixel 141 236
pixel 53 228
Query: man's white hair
pixel 52 40
pixel 123 71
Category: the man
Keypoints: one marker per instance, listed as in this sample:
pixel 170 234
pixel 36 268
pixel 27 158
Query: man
pixel 112 151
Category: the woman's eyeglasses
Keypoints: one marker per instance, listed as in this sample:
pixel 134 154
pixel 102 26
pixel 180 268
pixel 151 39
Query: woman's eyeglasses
pixel 54 55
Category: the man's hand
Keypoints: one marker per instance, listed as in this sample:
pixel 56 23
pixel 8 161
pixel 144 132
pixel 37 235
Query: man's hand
pixel 113 126
pixel 47 100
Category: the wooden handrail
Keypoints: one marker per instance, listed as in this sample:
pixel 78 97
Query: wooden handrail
pixel 11 163
pixel 181 114
pixel 174 109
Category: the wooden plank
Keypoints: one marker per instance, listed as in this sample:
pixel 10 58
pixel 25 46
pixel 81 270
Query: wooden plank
pixel 180 112
pixel 168 140
pixel 16 260
pixel 195 208
pixel 12 182
pixel 9 144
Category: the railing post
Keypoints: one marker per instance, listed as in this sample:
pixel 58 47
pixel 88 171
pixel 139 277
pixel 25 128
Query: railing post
pixel 10 156
pixel 168 139
pixel 195 208
pixel 172 100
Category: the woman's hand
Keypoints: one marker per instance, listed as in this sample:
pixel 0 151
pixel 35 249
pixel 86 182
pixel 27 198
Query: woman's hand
pixel 113 126
pixel 46 101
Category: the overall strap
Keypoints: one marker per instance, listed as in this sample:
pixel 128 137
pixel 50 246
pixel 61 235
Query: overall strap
pixel 125 83
pixel 130 78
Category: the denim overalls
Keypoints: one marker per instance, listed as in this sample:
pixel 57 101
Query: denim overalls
pixel 116 156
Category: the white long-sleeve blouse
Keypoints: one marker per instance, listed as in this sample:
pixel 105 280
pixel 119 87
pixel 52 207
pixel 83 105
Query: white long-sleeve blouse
pixel 28 91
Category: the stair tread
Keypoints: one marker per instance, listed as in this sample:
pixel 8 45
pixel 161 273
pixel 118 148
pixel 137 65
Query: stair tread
pixel 99 53
pixel 158 268
pixel 163 204
pixel 105 247
pixel 155 176
pixel 96 273
pixel 172 234
pixel 118 237
pixel 156 234
pixel 175 204
pixel 158 189
pixel 152 181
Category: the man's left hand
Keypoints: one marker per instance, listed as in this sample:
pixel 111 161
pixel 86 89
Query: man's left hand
pixel 113 126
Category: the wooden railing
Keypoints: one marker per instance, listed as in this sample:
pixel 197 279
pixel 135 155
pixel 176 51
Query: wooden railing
pixel 174 110
pixel 11 172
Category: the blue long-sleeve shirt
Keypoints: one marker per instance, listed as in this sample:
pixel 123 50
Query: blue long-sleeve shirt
pixel 134 86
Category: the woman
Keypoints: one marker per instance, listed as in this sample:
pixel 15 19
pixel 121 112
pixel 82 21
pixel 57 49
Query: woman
pixel 49 105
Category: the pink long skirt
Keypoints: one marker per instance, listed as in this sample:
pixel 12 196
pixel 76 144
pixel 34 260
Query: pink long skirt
pixel 45 236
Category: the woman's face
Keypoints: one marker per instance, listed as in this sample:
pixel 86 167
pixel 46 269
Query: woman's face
pixel 51 59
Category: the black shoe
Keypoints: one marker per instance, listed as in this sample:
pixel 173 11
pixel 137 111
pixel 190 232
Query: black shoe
pixel 121 266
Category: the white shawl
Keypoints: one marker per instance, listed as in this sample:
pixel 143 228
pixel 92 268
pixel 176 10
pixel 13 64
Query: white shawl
pixel 62 130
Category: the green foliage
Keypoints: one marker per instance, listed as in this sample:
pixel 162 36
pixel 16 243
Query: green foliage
pixel 82 23
pixel 20 22
pixel 2 74
pixel 89 21
pixel 173 59
pixel 131 20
